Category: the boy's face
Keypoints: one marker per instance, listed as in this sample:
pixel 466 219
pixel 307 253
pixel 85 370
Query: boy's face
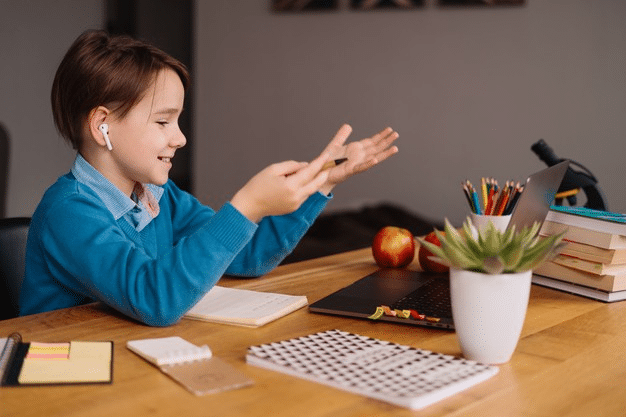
pixel 145 140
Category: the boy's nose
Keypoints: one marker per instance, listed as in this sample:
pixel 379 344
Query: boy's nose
pixel 179 140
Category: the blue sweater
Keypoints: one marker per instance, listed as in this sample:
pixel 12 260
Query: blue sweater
pixel 77 252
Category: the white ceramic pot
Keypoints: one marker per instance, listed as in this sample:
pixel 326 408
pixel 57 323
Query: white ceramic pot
pixel 480 222
pixel 489 312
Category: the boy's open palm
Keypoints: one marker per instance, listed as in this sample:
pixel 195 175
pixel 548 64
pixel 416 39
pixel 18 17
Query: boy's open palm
pixel 362 155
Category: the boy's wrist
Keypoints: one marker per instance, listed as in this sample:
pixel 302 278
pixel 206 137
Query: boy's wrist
pixel 246 209
pixel 326 189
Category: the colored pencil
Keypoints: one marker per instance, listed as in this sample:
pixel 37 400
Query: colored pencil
pixel 477 209
pixel 483 188
pixel 492 194
pixel 467 194
pixel 504 197
pixel 518 191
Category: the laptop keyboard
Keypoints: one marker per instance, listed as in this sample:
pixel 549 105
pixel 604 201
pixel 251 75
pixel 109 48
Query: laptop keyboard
pixel 431 299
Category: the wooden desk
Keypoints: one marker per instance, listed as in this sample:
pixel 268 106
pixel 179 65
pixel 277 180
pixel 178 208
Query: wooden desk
pixel 570 359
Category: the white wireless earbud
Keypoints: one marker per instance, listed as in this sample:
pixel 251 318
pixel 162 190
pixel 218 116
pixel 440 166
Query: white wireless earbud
pixel 104 128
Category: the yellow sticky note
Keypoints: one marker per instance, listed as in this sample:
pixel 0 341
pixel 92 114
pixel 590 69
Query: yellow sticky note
pixel 90 350
pixel 88 362
pixel 48 351
pixel 377 314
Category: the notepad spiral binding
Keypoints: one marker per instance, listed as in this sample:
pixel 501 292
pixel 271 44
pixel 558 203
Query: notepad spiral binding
pixel 7 354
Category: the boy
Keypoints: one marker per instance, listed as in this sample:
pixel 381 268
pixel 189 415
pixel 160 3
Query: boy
pixel 115 229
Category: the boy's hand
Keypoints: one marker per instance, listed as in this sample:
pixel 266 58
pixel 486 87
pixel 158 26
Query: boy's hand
pixel 281 188
pixel 362 155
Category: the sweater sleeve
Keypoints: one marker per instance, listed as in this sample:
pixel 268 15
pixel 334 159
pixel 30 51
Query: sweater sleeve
pixel 276 237
pixel 85 250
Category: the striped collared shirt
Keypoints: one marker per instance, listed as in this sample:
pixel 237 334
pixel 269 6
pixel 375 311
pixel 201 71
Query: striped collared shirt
pixel 138 210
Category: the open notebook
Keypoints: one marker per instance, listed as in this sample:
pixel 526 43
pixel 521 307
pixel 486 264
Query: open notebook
pixel 244 307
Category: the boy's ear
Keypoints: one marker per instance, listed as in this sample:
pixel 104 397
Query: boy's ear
pixel 96 117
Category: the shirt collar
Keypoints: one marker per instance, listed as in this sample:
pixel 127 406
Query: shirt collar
pixel 115 200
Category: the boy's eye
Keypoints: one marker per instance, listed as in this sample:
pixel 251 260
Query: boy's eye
pixel 162 122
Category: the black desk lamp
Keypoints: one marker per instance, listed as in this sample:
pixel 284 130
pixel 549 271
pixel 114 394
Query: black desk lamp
pixel 574 180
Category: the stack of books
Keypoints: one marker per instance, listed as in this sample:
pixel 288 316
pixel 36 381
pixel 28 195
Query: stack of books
pixel 593 261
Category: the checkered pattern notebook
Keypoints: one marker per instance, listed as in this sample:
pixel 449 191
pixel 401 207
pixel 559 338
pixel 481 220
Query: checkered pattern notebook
pixel 390 372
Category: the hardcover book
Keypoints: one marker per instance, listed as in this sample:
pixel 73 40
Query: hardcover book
pixel 596 268
pixel 594 253
pixel 564 273
pixel 582 235
pixel 594 293
pixel 597 220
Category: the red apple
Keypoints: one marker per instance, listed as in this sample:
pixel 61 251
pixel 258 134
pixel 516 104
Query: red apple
pixel 423 254
pixel 393 247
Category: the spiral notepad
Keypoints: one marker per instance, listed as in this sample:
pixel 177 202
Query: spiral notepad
pixel 194 367
pixel 168 350
pixel 390 372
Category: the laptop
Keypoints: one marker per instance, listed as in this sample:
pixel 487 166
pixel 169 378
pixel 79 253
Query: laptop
pixel 429 293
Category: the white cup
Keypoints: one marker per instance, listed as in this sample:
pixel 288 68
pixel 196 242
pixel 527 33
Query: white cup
pixel 480 221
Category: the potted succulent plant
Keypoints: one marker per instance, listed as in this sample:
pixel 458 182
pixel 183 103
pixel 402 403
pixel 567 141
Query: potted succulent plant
pixel 490 278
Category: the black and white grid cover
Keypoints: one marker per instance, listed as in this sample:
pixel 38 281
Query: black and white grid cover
pixel 398 374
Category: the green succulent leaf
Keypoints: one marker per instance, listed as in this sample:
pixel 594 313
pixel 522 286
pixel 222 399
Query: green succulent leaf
pixel 490 251
pixel 434 249
pixel 539 252
pixel 440 261
pixel 493 265
pixel 511 255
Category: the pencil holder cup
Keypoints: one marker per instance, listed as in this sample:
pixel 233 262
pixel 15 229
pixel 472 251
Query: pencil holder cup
pixel 480 221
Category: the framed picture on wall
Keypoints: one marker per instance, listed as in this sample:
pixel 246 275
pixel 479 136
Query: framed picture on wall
pixel 304 5
pixel 385 4
pixel 481 2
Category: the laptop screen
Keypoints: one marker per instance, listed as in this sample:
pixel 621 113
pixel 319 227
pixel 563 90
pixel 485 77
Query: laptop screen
pixel 539 190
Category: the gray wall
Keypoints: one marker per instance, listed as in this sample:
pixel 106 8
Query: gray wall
pixel 469 91
pixel 34 35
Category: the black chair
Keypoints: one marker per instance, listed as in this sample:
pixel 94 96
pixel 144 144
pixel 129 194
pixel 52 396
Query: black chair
pixel 4 169
pixel 13 234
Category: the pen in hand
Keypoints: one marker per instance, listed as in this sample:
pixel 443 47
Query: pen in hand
pixel 328 165
pixel 334 163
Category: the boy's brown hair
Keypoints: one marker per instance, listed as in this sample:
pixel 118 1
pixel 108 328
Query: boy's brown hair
pixel 104 70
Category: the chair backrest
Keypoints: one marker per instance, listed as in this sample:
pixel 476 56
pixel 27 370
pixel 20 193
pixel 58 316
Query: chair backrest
pixel 13 235
pixel 4 169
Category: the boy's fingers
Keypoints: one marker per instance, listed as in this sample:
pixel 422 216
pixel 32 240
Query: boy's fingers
pixel 384 144
pixel 308 172
pixel 317 182
pixel 287 168
pixel 381 156
pixel 375 160
pixel 386 153
pixel 340 138
pixel 315 166
pixel 383 134
pixel 384 141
